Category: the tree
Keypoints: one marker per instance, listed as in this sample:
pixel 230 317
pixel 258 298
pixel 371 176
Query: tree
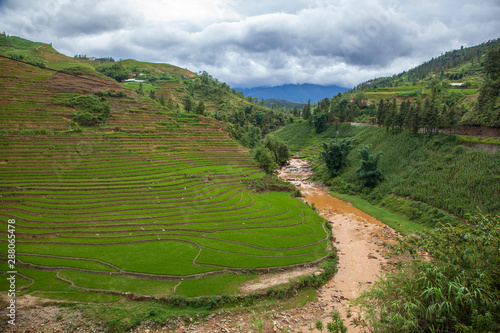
pixel 264 157
pixel 390 115
pixel 170 103
pixel 334 155
pixel 252 137
pixel 452 117
pixel 319 121
pixel 430 115
pixel 416 122
pixel 342 111
pixel 381 111
pixel 278 149
pixel 200 109
pixel 492 64
pixel 368 173
pixel 306 111
pixel 188 103
pixel 140 90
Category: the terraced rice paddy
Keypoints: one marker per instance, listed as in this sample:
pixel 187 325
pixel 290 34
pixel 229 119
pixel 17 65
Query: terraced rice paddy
pixel 151 203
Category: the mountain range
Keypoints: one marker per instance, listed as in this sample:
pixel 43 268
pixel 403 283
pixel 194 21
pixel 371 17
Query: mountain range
pixel 299 93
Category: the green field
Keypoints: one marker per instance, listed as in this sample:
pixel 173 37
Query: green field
pixel 135 204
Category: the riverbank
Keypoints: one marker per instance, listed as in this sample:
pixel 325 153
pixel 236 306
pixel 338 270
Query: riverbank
pixel 359 239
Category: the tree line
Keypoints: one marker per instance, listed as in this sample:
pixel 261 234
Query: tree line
pixel 440 110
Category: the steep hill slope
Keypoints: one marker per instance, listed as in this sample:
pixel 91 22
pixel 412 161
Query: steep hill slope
pixel 106 188
pixel 427 178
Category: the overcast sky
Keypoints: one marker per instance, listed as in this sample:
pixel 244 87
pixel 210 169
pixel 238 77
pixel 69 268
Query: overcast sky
pixel 261 42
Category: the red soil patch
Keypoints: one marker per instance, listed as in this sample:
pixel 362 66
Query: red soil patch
pixel 80 84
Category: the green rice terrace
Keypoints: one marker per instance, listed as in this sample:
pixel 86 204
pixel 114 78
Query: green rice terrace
pixel 145 201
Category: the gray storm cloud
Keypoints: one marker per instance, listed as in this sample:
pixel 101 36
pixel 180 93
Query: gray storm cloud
pixel 260 42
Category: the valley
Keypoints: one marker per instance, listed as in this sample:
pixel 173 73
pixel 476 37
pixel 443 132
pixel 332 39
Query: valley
pixel 140 196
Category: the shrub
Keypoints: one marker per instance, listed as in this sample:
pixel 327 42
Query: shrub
pixel 457 291
pixel 336 325
pixel 335 155
pixel 264 157
pixel 86 119
pixel 91 110
pixel 368 173
pixel 115 71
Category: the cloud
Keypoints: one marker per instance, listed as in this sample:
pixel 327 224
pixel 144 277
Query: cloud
pixel 249 43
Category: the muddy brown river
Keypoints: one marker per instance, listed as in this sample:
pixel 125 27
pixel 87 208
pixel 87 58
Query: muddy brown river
pixel 358 239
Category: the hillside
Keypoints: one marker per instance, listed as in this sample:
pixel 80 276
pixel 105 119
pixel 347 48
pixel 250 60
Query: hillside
pixel 122 187
pixel 298 93
pixel 456 80
pixel 427 179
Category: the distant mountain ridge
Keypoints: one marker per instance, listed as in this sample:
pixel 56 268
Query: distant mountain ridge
pixel 298 93
pixel 283 104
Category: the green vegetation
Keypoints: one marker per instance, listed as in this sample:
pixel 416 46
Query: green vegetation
pixel 458 88
pixel 79 296
pixel 116 71
pixel 457 291
pixel 139 189
pixel 124 317
pixel 117 191
pixel 217 284
pixel 368 173
pixel 336 325
pixel 271 154
pixel 427 178
pixel 393 220
pixel 91 110
pixel 137 286
pixel 334 155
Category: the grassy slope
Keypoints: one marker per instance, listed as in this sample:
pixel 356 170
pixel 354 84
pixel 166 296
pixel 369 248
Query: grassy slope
pixel 148 191
pixel 421 172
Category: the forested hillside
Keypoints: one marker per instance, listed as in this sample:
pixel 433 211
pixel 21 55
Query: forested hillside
pixel 420 173
pixel 455 89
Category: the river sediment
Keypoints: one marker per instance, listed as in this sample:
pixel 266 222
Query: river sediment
pixel 359 240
